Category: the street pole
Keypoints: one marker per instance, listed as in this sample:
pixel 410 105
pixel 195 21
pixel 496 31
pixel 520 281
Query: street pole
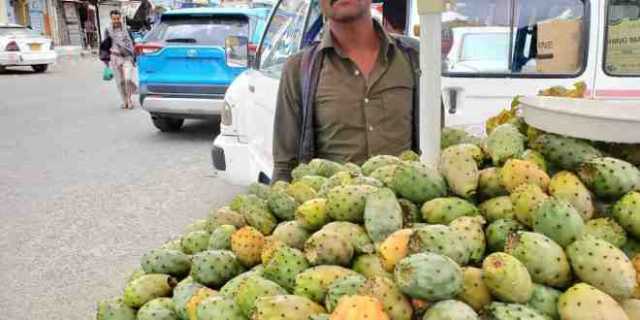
pixel 430 12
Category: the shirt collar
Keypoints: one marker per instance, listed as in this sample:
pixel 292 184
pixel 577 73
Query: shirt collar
pixel 327 41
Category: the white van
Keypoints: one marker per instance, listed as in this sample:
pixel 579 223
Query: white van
pixel 495 50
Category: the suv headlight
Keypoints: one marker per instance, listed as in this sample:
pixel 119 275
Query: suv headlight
pixel 227 115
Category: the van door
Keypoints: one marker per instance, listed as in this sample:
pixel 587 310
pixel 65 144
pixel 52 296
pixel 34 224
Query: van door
pixel 618 72
pixel 503 48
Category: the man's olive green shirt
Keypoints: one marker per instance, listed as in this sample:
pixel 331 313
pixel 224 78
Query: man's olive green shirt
pixel 355 117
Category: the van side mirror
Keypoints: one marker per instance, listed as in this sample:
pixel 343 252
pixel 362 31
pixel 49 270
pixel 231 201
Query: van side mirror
pixel 237 51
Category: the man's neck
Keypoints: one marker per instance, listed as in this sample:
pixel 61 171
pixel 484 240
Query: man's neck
pixel 354 36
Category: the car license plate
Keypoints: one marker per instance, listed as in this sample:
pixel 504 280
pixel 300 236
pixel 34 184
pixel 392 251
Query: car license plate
pixel 35 46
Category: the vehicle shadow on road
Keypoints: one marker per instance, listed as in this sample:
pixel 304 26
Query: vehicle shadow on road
pixel 193 130
pixel 12 72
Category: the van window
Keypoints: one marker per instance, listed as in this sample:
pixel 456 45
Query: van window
pixel 199 30
pixel 514 37
pixel 622 57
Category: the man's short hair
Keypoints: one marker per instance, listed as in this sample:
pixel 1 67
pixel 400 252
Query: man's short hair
pixel 114 12
pixel 395 13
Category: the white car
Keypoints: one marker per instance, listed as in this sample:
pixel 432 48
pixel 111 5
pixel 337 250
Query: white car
pixel 21 46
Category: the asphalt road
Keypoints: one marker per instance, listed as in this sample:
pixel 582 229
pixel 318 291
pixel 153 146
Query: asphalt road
pixel 87 188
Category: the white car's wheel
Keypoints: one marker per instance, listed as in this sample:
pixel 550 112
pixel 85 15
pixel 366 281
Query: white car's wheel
pixel 40 68
pixel 3 68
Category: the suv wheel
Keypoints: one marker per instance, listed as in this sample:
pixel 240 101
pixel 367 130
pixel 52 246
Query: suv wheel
pixel 40 68
pixel 167 124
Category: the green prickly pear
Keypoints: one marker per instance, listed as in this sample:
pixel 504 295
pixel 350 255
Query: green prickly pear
pixel 253 288
pixel 182 294
pixel 315 182
pixel 313 214
pixel 558 220
pixel 418 183
pixel 451 310
pixel 460 170
pixel 544 259
pixel 283 267
pixel 610 178
pixel 567 153
pixel 171 262
pixel 409 155
pixel 302 170
pixel 243 200
pixel 474 292
pixel 158 309
pixel 280 186
pixel 217 307
pixel 498 232
pixel 346 286
pixel 148 287
pixel 247 244
pixel 385 174
pixel 173 244
pixel 230 289
pixel 445 210
pixel 221 237
pixel 453 136
pixel 395 304
pixel 370 181
pixel 410 213
pixel 313 283
pixel 215 267
pixel 200 224
pixel 497 208
pixel 382 214
pixel 545 301
pixel 378 162
pixel 347 203
pixel 536 158
pixel 489 184
pixel 325 168
pixel 513 311
pixel 606 229
pixel 139 272
pixel 341 178
pixel 585 302
pixel 627 212
pixel 301 192
pixel 471 230
pixel 526 199
pixel 195 241
pixel 604 266
pixel 502 273
pixel 259 189
pixel 115 309
pixel 352 168
pixel 259 217
pixel 328 248
pixel 442 240
pixel 370 265
pixel 282 205
pixel 517 172
pixel 354 233
pixel 505 142
pixel 567 186
pixel 224 216
pixel 292 234
pixel 429 276
pixel 294 307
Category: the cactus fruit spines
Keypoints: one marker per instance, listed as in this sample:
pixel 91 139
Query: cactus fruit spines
pixel 567 153
pixel 451 310
pixel 516 172
pixel 429 276
pixel 359 308
pixel 146 288
pixel 195 241
pixel 220 238
pixel 346 286
pixel 583 301
pixel 247 244
pixel 253 288
pixel 567 186
pixel 610 178
pixel 502 273
pixel 603 266
pixel 328 248
pixel 489 184
pixel 498 232
pixel 370 265
pixel 380 161
pixel 314 282
pixel 445 210
pixel 474 292
pixel 115 309
pixel 526 199
pixel 312 214
pixel 418 183
pixel 354 233
pixel 382 214
pixel 347 203
pixel 544 258
pixel 282 205
pixel 283 267
pixel 214 268
pixel 294 307
pixel 627 212
pixel 395 248
pixel 513 311
pixel 442 240
pixel 545 301
pixel 497 208
pixel 460 169
pixel 395 304
pixel 291 233
pixel 558 220
pixel 217 307
pixel 606 229
pixel 505 142
pixel 471 231
pixel 171 262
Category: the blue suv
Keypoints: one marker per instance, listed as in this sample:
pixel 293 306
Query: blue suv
pixel 188 60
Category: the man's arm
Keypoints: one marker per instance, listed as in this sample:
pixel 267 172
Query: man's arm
pixel 286 126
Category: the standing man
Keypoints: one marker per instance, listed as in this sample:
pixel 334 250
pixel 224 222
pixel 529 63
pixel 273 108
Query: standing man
pixel 117 52
pixel 351 96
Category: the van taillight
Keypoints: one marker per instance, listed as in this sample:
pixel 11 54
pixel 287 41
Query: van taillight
pixel 147 48
pixel 12 47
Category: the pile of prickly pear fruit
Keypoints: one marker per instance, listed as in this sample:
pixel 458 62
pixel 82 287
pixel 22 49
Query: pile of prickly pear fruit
pixel 521 225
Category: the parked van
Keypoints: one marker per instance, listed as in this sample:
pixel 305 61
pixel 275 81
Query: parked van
pixel 493 50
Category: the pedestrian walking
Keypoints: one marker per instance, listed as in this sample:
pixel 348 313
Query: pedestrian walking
pixel 116 51
pixel 351 96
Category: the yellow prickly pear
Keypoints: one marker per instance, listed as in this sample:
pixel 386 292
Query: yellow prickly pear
pixel 585 302
pixel 359 308
pixel 518 172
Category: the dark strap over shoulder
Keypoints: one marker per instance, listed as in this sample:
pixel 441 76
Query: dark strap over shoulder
pixel 311 65
pixel 411 48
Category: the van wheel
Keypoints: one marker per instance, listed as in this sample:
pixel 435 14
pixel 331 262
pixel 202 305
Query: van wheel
pixel 40 68
pixel 167 124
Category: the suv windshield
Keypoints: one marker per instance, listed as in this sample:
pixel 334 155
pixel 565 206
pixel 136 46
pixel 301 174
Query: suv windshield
pixel 209 30
pixel 488 46
pixel 17 32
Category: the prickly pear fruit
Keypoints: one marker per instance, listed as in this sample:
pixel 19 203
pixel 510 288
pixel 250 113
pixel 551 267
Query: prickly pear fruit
pixel 526 199
pixel 460 170
pixel 171 262
pixel 453 136
pixel 294 307
pixel 370 181
pixel 214 308
pixel 313 214
pixel 182 293
pixel 410 213
pixel 194 301
pixel 566 153
pixel 328 248
pixel 270 247
pixel 627 212
pixel 380 161
pixel 489 184
pixel 505 142
pixel 252 289
pixel 325 168
pixel 260 190
pixel 544 259
pixel 342 178
pixel 471 230
pixel 246 200
pixel 139 272
pixel 385 174
pixel 195 241
pixel 558 220
pixel 315 182
pixel 604 266
pixel 302 170
pixel 359 308
pixel 536 158
pixel 347 203
pixel 382 214
pixel 450 310
pixel 567 186
pixel 442 240
pixel 347 286
pixel 513 311
pixel 516 172
pixel 115 309
pixel 474 292
pixel 395 304
pixel 445 210
pixel 497 208
pixel 173 244
pixel 320 316
pixel 282 205
pixel 610 178
pixel 418 183
pixel 370 265
pixel 606 229
pixel 395 248
pixel 429 276
pixel 632 308
pixel 148 287
pixel 215 267
pixel 301 192
pixel 585 302
pixel 220 238
pixel 200 224
pixel 313 283
pixel 247 244
pixel 230 289
pixel 224 216
pixel 354 233
pixel 545 301
pixel 291 233
pixel 283 267
pixel 409 155
pixel 502 273
pixel 498 232
pixel 259 217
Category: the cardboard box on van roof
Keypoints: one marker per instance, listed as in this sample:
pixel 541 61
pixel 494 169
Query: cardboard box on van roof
pixel 623 47
pixel 559 46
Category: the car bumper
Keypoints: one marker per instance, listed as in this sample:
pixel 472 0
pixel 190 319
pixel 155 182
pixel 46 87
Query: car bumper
pixel 187 107
pixel 27 59
pixel 232 161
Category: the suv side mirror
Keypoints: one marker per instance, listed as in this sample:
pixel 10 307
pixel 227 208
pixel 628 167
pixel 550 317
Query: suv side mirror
pixel 237 51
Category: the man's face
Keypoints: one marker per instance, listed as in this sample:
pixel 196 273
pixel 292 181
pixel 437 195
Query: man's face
pixel 115 19
pixel 345 10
